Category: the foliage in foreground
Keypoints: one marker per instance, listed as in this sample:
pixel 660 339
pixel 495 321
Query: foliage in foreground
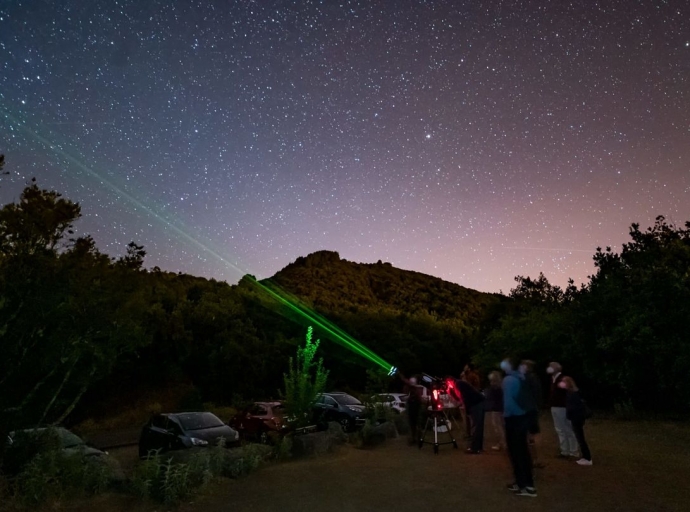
pixel 161 478
pixel 306 378
pixel 54 476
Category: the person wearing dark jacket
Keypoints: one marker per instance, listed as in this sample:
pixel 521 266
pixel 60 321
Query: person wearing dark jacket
pixel 471 376
pixel 566 436
pixel 414 406
pixel 576 414
pixel 533 408
pixel 474 407
pixel 493 409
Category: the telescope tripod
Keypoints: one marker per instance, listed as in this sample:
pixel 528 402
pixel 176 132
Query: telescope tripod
pixel 438 418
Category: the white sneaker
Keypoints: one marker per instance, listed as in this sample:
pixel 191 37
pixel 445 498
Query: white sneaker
pixel 584 462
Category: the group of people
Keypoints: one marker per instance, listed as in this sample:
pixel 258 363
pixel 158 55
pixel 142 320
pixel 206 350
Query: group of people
pixel 510 405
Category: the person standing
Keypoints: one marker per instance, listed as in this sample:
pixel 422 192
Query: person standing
pixel 576 414
pixel 557 398
pixel 493 407
pixel 534 406
pixel 474 407
pixel 515 416
pixel 413 406
pixel 471 376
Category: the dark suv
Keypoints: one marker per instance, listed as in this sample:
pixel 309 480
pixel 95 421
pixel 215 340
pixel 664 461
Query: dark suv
pixel 340 407
pixel 184 430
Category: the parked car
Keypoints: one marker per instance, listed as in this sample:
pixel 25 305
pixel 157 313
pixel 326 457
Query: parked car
pixel 394 401
pixel 340 407
pixel 22 445
pixel 184 430
pixel 259 420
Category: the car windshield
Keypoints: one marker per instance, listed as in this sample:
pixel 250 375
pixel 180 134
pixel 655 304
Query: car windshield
pixel 346 400
pixel 199 420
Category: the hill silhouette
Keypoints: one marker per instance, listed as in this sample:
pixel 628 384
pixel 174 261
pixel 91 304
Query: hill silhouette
pixel 415 321
pixel 329 283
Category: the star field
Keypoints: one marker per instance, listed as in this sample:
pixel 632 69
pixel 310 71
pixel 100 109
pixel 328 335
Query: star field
pixel 469 140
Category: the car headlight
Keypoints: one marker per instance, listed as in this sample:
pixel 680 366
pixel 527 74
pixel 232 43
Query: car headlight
pixel 353 409
pixel 198 442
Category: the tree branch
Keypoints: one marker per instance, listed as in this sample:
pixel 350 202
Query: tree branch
pixel 59 389
pixel 71 407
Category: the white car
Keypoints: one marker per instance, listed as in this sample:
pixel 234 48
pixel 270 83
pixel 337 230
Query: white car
pixel 395 401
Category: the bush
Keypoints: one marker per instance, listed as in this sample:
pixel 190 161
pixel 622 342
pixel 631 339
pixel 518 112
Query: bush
pixel 377 413
pixel 166 481
pixel 5 489
pixel 54 475
pixel 36 470
pixel 283 448
pixel 377 433
pixel 27 445
pixel 304 381
pixel 181 474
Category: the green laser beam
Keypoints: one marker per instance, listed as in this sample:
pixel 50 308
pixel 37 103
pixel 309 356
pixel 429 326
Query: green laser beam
pixel 334 329
pixel 129 197
pixel 340 336
pixel 337 334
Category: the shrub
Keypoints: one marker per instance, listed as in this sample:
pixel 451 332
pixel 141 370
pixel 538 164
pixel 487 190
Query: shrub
pixel 54 475
pixel 166 481
pixel 170 482
pixel 283 448
pixel 27 445
pixel 5 489
pixel 301 387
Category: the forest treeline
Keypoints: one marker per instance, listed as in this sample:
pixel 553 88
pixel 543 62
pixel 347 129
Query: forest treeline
pixel 79 328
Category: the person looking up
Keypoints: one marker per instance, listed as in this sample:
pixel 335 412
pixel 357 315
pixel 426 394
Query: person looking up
pixel 575 410
pixel 557 396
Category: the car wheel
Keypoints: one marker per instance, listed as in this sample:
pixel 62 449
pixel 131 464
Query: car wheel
pixel 345 424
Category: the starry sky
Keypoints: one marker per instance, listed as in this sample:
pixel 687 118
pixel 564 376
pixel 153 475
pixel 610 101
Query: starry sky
pixel 470 140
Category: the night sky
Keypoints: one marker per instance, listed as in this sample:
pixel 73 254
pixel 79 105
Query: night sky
pixel 470 140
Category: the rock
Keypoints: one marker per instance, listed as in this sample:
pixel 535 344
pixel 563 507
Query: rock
pixel 336 434
pixel 310 445
pixel 389 429
pixel 318 443
pixel 374 435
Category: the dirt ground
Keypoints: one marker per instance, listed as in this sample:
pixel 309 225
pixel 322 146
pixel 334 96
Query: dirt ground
pixel 638 466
